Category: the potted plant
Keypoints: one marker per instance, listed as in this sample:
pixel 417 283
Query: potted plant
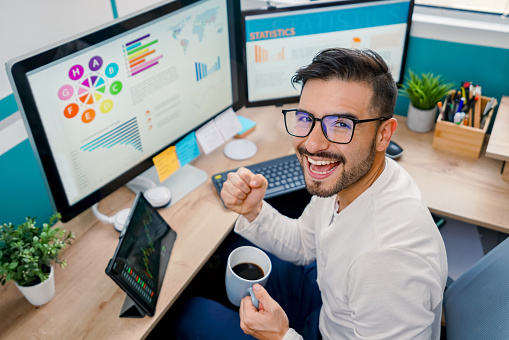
pixel 424 92
pixel 27 254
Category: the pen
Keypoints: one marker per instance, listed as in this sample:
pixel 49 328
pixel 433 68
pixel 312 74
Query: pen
pixel 446 108
pixel 469 104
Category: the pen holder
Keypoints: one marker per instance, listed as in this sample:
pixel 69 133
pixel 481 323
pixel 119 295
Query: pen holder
pixel 463 139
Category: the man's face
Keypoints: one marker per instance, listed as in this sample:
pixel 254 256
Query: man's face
pixel 329 167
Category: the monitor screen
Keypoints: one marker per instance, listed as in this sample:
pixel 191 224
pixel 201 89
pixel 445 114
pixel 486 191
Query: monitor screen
pixel 279 41
pixel 99 106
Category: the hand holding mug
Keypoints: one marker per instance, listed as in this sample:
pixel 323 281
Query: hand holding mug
pixel 269 321
pixel 246 266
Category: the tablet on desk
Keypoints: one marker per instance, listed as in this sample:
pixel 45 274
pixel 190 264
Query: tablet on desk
pixel 140 260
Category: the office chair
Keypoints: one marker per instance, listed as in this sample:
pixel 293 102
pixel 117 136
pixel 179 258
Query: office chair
pixel 476 305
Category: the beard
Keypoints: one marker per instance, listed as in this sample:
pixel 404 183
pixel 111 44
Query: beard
pixel 347 177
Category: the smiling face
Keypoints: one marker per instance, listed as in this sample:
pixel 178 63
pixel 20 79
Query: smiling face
pixel 330 168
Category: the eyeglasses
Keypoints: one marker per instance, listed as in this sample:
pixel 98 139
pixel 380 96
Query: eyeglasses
pixel 337 129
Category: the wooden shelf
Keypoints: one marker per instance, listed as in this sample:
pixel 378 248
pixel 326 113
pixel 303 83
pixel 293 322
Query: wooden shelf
pixel 498 145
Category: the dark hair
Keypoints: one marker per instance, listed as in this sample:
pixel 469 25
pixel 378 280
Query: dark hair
pixel 354 65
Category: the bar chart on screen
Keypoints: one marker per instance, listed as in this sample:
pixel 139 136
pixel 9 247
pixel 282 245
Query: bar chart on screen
pixel 262 55
pixel 140 54
pixel 203 70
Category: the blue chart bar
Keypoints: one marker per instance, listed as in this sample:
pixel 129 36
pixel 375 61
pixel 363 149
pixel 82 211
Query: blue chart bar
pixel 202 70
pixel 126 134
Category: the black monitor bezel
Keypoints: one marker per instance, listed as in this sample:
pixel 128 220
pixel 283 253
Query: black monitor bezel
pixel 17 70
pixel 314 5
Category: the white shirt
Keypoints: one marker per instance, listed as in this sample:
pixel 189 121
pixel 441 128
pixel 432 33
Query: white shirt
pixel 381 262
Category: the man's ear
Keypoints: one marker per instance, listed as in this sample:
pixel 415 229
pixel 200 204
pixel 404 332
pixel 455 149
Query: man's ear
pixel 384 134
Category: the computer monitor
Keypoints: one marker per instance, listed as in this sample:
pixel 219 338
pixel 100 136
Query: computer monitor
pixel 278 41
pixel 98 107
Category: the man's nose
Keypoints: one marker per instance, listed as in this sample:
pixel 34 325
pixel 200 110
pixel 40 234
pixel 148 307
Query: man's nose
pixel 316 140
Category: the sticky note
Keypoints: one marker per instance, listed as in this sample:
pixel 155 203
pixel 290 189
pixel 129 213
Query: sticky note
pixel 166 163
pixel 247 125
pixel 187 149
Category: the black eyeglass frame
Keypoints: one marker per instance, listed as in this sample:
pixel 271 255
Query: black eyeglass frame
pixel 355 122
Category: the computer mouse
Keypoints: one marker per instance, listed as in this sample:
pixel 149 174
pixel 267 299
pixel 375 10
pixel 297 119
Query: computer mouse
pixel 393 150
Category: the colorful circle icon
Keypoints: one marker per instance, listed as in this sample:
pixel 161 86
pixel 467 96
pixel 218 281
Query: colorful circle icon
pixel 71 110
pixel 111 70
pixel 106 106
pixel 95 63
pixel 116 87
pixel 90 90
pixel 76 72
pixel 65 92
pixel 88 116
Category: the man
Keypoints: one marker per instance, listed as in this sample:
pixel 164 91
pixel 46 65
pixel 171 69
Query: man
pixel 380 260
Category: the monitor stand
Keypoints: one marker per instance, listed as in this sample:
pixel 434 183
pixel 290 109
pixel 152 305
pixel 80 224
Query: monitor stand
pixel 180 183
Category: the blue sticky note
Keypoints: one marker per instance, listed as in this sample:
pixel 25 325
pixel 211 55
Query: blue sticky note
pixel 246 124
pixel 187 149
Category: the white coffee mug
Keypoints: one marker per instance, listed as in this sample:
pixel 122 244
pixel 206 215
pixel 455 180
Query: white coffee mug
pixel 238 287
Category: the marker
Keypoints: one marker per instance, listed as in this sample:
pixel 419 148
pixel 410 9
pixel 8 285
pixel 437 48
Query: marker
pixel 460 104
pixel 478 91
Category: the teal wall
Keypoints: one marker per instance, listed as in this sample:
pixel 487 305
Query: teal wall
pixel 23 193
pixel 22 190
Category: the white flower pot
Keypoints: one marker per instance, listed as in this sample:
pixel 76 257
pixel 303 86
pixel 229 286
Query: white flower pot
pixel 421 120
pixel 41 293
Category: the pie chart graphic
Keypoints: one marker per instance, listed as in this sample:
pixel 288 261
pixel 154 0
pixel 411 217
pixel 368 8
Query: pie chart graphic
pixel 91 89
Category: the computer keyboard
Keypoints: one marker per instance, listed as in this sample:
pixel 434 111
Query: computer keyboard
pixel 284 175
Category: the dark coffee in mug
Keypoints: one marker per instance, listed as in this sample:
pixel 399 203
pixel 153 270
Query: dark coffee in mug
pixel 248 271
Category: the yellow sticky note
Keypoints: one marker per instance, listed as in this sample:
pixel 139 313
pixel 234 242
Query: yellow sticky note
pixel 166 163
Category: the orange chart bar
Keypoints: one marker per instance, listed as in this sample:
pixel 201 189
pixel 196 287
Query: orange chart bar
pixel 262 55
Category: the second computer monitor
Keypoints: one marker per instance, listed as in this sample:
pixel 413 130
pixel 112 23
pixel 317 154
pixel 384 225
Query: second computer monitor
pixel 280 41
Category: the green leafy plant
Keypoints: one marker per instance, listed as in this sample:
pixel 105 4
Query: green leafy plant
pixel 426 90
pixel 27 251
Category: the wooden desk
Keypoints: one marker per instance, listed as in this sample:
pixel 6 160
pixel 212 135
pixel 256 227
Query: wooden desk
pixel 87 302
pixel 463 188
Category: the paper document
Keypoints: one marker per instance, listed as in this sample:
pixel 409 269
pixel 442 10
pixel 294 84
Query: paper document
pixel 217 131
pixel 228 124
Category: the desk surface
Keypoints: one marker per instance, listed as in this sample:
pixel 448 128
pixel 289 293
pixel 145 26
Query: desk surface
pixel 87 302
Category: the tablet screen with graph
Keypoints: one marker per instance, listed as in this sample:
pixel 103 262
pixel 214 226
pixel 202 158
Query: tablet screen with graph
pixel 140 260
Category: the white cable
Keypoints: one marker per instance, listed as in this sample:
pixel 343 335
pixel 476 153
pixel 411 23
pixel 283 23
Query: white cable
pixel 118 220
pixel 100 216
